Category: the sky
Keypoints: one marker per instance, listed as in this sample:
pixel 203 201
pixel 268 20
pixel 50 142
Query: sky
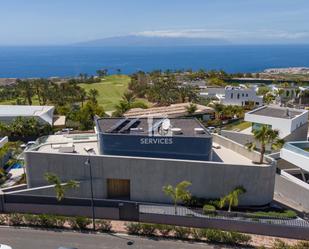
pixel 59 22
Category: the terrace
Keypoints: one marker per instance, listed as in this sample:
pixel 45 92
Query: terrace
pixel 77 143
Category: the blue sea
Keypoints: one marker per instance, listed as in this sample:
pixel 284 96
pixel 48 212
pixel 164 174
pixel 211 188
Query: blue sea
pixel 22 62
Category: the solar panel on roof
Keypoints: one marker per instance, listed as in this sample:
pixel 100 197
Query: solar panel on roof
pixel 129 125
pixel 116 126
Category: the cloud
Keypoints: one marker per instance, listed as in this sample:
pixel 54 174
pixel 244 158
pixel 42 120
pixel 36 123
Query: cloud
pixel 229 34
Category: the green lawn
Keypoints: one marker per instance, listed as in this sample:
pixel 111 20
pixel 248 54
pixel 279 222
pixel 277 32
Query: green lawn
pixel 110 89
pixel 242 125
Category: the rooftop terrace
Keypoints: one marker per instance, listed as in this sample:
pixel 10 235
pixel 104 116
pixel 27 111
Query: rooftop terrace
pixel 80 142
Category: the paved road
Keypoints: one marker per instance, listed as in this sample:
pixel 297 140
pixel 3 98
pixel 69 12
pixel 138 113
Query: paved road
pixel 37 239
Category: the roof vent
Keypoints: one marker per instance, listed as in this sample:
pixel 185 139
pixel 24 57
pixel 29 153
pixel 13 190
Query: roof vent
pixel 199 130
pixel 136 129
pixel 176 131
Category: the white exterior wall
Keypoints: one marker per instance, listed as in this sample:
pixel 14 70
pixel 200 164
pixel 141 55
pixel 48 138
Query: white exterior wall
pixel 245 95
pixel 284 125
pixel 301 161
pixel 3 141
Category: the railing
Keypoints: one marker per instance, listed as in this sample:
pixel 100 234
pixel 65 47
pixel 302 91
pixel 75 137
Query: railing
pixel 186 212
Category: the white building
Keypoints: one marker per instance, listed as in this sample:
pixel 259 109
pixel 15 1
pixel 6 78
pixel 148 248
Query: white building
pixel 43 113
pixel 286 120
pixel 241 95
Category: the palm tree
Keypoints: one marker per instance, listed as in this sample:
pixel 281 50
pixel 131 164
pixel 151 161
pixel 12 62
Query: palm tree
pixel 232 198
pixel 129 98
pixel 59 187
pixel 266 136
pixel 93 94
pixel 191 109
pixel 178 193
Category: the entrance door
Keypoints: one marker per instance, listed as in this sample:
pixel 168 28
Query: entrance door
pixel 118 189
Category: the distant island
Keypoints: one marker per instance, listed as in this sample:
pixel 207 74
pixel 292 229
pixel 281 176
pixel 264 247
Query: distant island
pixel 140 41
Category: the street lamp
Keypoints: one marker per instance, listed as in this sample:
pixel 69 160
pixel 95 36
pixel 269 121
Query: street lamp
pixel 88 163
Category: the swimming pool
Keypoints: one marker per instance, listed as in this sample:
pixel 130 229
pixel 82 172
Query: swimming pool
pixel 17 166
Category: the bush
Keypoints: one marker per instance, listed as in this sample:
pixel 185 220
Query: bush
pixel 2 220
pixel 80 223
pixel 197 234
pixel 209 209
pixel 148 229
pixel 133 228
pixel 286 214
pixel 232 238
pixel 279 244
pixel 182 232
pixel 60 221
pixel 47 221
pixel 104 226
pixel 213 235
pixel 16 219
pixel 31 220
pixel 164 229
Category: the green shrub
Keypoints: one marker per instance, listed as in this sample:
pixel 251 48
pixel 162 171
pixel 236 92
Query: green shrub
pixel 80 223
pixel 213 235
pixel 16 219
pixel 232 238
pixel 47 221
pixel 2 220
pixel 148 229
pixel 164 229
pixel 133 228
pixel 182 232
pixel 197 233
pixel 239 238
pixel 60 221
pixel 290 214
pixel 31 220
pixel 209 209
pixel 104 226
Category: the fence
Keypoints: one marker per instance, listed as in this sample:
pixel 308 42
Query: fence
pixel 295 229
pixel 149 213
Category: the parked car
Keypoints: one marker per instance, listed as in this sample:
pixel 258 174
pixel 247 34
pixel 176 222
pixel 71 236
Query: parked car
pixel 211 129
pixel 5 246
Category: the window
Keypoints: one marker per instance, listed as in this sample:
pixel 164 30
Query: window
pixel 246 94
pixel 238 95
pixel 231 95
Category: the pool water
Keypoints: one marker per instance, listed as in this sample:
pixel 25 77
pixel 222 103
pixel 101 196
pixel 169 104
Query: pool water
pixel 17 166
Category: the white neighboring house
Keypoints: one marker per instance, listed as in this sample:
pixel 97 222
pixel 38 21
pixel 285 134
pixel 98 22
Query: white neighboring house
pixel 286 120
pixel 241 96
pixel 44 114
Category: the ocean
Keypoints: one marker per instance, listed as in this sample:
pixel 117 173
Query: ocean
pixel 23 62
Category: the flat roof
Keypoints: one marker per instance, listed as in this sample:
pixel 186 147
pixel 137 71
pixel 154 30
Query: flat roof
pixel 23 110
pixel 277 112
pixel 141 126
pixel 52 144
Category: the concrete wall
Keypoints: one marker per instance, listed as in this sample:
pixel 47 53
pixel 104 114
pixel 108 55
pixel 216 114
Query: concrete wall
pixel 238 137
pixel 292 189
pixel 148 176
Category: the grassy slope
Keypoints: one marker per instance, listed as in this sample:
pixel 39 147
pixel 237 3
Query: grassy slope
pixel 110 89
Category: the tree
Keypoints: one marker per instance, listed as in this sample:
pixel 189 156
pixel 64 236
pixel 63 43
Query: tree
pixel 102 72
pixel 93 95
pixel 178 193
pixel 191 109
pixel 264 135
pixel 60 188
pixel 86 114
pixel 232 198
